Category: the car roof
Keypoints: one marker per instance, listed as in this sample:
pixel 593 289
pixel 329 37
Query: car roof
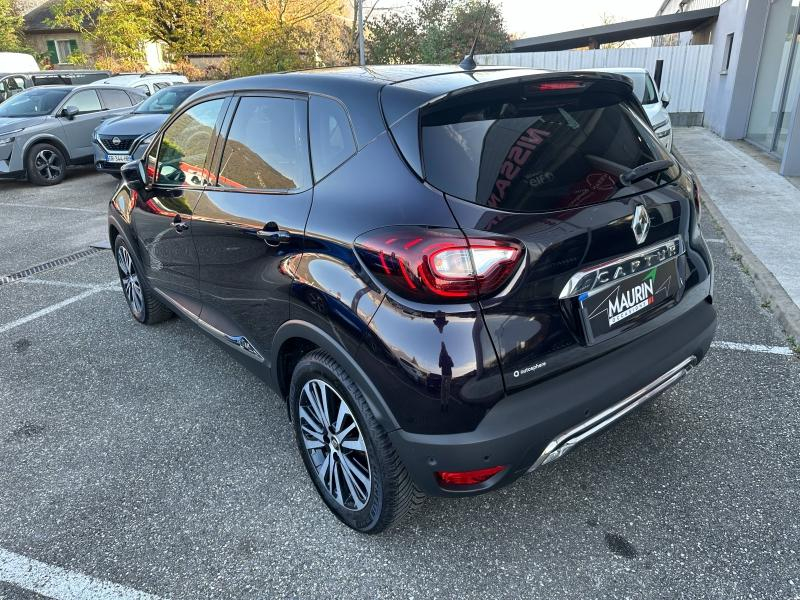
pixel 126 79
pixel 358 88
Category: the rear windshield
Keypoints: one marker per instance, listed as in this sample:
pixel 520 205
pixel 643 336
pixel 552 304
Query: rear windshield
pixel 525 149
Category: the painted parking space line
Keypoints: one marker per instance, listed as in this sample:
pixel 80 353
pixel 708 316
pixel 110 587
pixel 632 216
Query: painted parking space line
pixel 54 307
pixel 782 350
pixel 67 284
pixel 96 211
pixel 715 240
pixel 61 584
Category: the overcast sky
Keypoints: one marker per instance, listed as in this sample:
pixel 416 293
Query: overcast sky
pixel 528 18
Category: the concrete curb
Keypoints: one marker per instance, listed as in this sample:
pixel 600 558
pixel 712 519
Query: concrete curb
pixel 787 312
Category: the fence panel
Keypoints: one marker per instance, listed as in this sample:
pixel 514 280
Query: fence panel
pixel 684 75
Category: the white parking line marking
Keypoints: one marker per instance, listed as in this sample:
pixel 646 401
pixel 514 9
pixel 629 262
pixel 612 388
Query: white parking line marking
pixel 715 240
pixel 69 284
pixel 782 350
pixel 61 584
pixel 54 307
pixel 46 206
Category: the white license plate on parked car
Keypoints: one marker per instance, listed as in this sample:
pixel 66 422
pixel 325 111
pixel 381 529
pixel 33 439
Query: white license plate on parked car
pixel 118 158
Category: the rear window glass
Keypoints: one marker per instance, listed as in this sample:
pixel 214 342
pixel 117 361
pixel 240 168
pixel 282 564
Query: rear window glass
pixel 527 150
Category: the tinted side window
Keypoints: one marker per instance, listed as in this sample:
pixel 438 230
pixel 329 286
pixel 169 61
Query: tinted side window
pixel 267 146
pixel 115 99
pixel 332 140
pixel 85 101
pixel 185 144
pixel 162 85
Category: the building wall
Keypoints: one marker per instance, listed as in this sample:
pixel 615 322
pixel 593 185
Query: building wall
pixel 730 94
pixel 38 41
pixel 673 6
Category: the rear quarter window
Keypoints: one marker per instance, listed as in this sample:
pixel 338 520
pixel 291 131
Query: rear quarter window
pixel 332 141
pixel 527 151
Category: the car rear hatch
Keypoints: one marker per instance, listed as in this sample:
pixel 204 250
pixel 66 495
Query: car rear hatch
pixel 549 159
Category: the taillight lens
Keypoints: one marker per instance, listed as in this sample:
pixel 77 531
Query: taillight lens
pixel 439 264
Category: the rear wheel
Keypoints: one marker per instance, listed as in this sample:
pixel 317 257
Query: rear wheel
pixel 142 302
pixel 347 454
pixel 45 164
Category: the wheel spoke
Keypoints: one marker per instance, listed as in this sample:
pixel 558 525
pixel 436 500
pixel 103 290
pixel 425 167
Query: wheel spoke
pixel 343 434
pixel 312 421
pixel 355 470
pixel 313 401
pixel 340 417
pixel 357 444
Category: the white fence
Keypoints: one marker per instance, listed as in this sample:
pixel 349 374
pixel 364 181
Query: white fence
pixel 684 75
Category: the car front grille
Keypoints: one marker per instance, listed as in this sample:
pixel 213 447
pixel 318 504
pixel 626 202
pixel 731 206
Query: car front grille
pixel 123 142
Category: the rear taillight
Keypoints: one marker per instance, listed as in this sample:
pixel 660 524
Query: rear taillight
pixel 439 264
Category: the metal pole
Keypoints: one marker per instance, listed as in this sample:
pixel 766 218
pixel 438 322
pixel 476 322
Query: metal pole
pixel 361 60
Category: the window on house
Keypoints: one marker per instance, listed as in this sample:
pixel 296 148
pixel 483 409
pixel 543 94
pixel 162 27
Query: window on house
pixel 60 50
pixel 726 55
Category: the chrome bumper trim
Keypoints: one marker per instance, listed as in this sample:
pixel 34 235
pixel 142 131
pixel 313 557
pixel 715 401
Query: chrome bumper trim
pixel 570 438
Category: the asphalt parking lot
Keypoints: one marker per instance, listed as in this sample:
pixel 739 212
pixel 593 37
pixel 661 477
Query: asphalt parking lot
pixel 145 461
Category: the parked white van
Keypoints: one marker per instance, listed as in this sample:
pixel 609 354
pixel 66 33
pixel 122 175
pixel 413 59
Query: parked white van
pixel 11 62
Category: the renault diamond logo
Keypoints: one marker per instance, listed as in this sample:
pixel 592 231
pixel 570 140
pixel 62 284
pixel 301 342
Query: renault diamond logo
pixel 116 141
pixel 640 223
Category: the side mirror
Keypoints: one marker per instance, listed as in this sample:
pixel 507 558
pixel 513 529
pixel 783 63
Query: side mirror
pixel 134 175
pixel 69 112
pixel 665 99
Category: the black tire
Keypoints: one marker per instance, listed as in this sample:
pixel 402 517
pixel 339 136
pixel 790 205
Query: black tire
pixel 143 303
pixel 45 165
pixel 392 494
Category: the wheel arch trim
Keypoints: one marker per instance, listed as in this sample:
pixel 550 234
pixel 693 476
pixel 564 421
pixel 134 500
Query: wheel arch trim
pixel 45 138
pixel 321 339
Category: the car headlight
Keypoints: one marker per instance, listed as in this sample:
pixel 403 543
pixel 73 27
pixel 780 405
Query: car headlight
pixel 663 133
pixel 147 139
pixel 8 136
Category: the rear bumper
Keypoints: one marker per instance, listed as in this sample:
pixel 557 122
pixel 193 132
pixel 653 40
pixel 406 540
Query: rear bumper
pixel 537 425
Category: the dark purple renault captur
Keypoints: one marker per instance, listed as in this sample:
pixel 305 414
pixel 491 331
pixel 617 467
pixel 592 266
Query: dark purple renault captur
pixel 453 277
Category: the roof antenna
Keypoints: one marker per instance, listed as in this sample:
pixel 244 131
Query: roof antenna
pixel 468 63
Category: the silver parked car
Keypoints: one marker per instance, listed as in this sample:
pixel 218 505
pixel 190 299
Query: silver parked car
pixel 42 130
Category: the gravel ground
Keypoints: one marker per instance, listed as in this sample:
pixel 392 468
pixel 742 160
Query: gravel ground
pixel 147 457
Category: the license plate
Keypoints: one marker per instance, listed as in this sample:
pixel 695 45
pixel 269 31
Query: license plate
pixel 629 301
pixel 118 158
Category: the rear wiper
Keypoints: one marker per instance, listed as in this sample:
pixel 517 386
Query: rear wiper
pixel 645 170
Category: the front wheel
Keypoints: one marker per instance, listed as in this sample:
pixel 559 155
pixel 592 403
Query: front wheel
pixel 142 302
pixel 45 164
pixel 347 454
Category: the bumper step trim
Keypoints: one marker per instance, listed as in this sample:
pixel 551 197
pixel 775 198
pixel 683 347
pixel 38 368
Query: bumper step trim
pixel 570 438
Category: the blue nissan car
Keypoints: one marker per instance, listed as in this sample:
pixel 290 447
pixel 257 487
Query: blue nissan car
pixel 121 140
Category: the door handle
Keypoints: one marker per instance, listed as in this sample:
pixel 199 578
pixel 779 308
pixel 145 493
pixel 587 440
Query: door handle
pixel 274 237
pixel 179 225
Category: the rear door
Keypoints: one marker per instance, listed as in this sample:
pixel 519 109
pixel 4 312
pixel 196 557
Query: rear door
pixel 545 161
pixel 248 225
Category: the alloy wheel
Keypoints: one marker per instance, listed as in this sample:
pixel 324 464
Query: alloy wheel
pixel 49 164
pixel 130 281
pixel 335 445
